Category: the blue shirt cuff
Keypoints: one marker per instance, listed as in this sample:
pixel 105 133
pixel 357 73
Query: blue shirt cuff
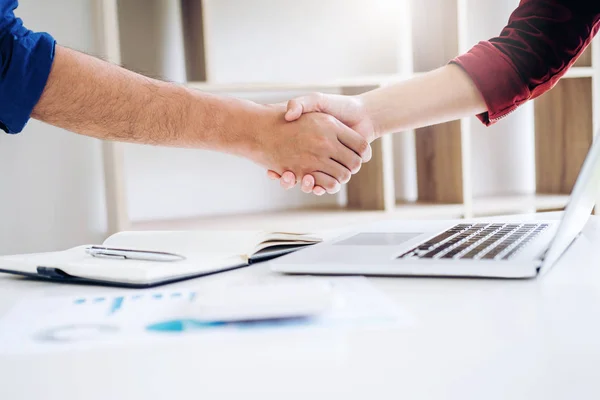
pixel 25 64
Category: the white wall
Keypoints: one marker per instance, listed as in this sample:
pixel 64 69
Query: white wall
pixel 51 181
pixel 309 40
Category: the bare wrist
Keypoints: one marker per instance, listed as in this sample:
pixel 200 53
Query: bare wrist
pixel 223 124
pixel 263 121
pixel 368 104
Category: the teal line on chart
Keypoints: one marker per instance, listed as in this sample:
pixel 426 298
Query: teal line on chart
pixel 137 296
pixel 192 296
pixel 116 305
pixel 79 301
pixel 189 325
pixel 157 296
pixel 99 299
pixel 176 295
pixel 182 325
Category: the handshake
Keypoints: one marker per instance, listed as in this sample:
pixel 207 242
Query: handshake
pixel 330 141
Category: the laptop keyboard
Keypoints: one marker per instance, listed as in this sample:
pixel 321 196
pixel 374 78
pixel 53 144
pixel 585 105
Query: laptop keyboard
pixel 477 241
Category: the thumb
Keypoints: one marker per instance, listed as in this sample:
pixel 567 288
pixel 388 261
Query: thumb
pixel 304 104
pixel 294 110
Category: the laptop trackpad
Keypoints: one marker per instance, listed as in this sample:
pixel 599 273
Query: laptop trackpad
pixel 378 239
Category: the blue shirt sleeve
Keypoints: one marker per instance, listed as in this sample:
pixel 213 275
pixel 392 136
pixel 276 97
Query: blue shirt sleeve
pixel 25 62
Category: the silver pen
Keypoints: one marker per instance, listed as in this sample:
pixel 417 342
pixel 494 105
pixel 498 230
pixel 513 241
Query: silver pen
pixel 130 254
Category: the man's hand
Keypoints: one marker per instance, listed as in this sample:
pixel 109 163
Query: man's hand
pixel 317 143
pixel 350 110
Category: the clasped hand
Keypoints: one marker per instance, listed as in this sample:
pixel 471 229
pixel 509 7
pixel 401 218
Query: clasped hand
pixel 348 111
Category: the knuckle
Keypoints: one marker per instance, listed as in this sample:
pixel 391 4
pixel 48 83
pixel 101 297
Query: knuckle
pixel 330 185
pixel 315 96
pixel 326 143
pixel 330 119
pixel 363 147
pixel 316 161
pixel 327 121
pixel 355 165
pixel 326 147
pixel 333 148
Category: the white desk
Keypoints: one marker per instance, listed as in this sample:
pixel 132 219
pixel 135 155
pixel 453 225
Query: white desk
pixel 481 339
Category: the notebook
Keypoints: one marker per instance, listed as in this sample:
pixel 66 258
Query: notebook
pixel 205 252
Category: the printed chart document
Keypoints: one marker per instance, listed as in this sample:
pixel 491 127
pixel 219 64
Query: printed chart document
pixel 132 318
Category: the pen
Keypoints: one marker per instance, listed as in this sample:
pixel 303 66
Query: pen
pixel 130 254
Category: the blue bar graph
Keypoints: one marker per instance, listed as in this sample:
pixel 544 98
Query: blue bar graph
pixel 119 303
pixel 116 304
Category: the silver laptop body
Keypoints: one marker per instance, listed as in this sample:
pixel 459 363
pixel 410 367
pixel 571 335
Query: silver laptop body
pixel 515 248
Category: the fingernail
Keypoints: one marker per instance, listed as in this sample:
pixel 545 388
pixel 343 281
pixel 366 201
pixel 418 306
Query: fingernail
pixel 286 179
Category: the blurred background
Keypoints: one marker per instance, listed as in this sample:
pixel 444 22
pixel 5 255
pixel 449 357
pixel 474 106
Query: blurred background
pixel 53 185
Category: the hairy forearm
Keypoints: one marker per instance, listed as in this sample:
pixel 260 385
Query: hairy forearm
pixel 94 98
pixel 438 96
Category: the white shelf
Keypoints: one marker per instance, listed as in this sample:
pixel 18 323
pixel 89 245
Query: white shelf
pixel 358 82
pixel 517 204
pixel 307 219
pixel 302 220
pixel 312 219
pixel 580 72
pixel 484 206
pixel 421 210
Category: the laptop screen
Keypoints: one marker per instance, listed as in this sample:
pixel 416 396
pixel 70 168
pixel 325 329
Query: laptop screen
pixel 578 210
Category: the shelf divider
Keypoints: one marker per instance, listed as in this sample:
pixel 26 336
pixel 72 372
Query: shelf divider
pixel 439 163
pixel 372 188
pixel 107 33
pixel 192 15
pixel 438 148
pixel 585 59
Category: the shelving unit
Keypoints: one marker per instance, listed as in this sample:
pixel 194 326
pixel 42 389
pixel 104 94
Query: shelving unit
pixel 564 120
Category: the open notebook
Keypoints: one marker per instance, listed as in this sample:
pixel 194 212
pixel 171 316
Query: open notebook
pixel 205 252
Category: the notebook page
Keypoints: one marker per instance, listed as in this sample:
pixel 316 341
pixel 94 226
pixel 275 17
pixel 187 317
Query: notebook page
pixel 191 244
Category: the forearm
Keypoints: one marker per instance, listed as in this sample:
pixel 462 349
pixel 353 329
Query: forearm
pixel 94 98
pixel 438 96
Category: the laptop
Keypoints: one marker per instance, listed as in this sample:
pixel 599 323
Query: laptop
pixel 515 248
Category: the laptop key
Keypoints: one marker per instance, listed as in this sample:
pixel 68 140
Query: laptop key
pixel 493 253
pixel 437 239
pixel 432 243
pixel 455 251
pixel 516 249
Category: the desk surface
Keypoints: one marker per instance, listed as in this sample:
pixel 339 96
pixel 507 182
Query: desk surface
pixel 472 338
